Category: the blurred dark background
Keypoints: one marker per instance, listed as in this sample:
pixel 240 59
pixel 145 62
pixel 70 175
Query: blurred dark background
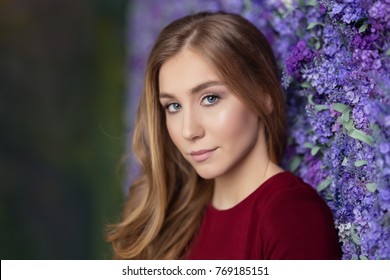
pixel 62 126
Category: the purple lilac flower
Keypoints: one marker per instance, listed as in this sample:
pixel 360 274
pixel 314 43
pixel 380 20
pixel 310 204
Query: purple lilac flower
pixel 346 11
pixel 332 41
pixel 321 124
pixel 300 54
pixel 314 175
pixel 322 9
pixel 367 59
pixel 381 11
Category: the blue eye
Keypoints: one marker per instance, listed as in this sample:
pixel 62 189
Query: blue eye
pixel 173 107
pixel 210 99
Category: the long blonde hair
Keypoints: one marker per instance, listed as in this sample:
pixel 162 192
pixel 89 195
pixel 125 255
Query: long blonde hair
pixel 165 205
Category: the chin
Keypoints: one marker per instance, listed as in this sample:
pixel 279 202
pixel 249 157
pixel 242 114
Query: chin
pixel 206 177
pixel 207 173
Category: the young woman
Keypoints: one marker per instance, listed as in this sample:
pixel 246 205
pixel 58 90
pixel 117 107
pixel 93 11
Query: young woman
pixel 209 136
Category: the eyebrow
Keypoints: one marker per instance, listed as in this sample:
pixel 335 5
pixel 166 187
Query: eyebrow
pixel 195 89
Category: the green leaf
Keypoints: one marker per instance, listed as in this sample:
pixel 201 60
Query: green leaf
pixel 306 85
pixel 294 164
pixel 314 150
pixel 363 257
pixel 312 3
pixel 345 115
pixel 388 52
pixel 310 99
pixel 308 145
pixel 324 184
pixel 247 5
pixel 360 135
pixel 340 107
pixel 363 28
pixel 360 163
pixel 320 107
pixel 371 187
pixel 355 237
pixel 314 24
pixel 301 3
pixel 345 160
pixel 317 45
pixel 349 125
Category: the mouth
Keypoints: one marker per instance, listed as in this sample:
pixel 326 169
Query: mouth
pixel 202 155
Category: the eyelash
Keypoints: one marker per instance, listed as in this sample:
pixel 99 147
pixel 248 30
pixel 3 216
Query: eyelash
pixel 211 95
pixel 202 100
pixel 169 105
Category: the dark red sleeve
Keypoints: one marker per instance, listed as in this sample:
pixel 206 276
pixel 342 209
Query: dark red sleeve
pixel 299 225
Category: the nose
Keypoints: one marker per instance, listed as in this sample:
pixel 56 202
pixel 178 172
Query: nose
pixel 192 128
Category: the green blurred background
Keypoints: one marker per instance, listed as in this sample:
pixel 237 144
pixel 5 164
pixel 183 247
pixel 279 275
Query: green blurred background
pixel 62 126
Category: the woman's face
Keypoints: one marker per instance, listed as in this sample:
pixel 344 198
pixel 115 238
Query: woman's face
pixel 211 127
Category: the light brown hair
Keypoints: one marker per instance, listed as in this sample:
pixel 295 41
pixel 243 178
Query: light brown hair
pixel 166 204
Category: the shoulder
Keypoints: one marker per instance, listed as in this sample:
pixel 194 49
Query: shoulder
pixel 284 188
pixel 288 195
pixel 296 222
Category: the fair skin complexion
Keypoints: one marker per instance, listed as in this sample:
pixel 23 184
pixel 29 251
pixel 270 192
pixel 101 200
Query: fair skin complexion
pixel 214 131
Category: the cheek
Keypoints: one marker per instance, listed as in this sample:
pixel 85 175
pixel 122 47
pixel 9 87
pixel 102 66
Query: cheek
pixel 235 122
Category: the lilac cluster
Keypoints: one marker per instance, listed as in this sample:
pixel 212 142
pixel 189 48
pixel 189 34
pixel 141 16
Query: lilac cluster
pixel 300 54
pixel 335 60
pixel 341 136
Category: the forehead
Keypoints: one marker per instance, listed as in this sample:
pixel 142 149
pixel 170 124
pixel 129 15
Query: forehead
pixel 184 71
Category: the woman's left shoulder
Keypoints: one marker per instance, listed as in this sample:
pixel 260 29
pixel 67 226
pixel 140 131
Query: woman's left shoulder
pixel 293 202
pixel 285 187
pixel 297 223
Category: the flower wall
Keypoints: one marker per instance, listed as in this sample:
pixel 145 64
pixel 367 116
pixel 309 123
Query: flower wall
pixel 334 59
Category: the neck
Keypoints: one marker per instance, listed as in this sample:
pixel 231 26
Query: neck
pixel 243 179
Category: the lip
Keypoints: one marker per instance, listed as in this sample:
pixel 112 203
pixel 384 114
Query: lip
pixel 202 155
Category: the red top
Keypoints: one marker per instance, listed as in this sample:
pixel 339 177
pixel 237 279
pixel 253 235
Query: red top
pixel 284 218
